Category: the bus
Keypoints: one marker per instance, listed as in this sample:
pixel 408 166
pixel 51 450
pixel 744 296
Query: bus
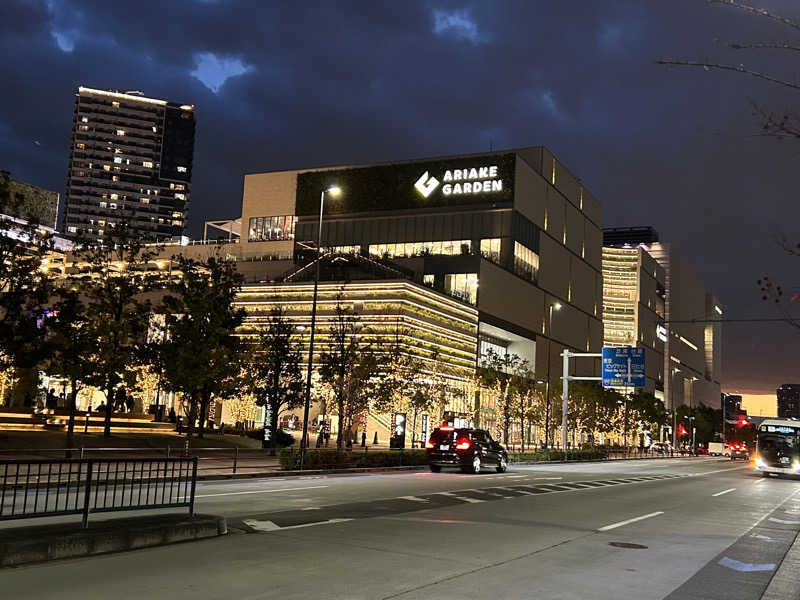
pixel 778 447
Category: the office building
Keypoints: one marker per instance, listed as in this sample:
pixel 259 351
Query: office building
pixel 789 401
pixel 130 162
pixel 634 297
pixel 692 325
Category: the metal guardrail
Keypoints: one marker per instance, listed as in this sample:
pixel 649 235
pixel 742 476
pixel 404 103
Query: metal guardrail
pixel 43 488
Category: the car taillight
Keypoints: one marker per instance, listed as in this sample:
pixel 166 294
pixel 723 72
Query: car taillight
pixel 463 445
pixel 446 428
pixel 429 444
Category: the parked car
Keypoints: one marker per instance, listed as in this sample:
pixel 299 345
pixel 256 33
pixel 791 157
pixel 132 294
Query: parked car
pixel 739 450
pixel 469 449
pixel 700 451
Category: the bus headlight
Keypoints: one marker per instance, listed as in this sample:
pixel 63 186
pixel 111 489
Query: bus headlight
pixel 759 463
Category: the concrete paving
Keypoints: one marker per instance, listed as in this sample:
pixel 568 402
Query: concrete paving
pixel 672 528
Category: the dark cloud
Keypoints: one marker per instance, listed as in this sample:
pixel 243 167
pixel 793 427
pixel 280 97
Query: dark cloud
pixel 361 81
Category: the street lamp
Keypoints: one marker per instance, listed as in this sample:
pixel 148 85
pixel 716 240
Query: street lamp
pixel 691 424
pixel 333 191
pixel 556 306
pixel 674 412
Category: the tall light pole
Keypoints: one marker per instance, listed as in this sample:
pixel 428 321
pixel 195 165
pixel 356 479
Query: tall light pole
pixel 557 306
pixel 333 191
pixel 674 412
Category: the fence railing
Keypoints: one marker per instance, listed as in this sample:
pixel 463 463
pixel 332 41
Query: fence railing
pixel 43 488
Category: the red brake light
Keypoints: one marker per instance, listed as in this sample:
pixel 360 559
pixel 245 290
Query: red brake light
pixel 429 444
pixel 463 444
pixel 446 428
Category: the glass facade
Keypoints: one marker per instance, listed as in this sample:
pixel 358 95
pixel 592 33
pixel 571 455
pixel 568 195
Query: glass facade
pixel 463 286
pixel 490 248
pixel 526 262
pixel 440 248
pixel 264 229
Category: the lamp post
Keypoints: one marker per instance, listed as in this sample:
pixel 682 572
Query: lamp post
pixel 557 306
pixel 333 191
pixel 674 412
pixel 691 424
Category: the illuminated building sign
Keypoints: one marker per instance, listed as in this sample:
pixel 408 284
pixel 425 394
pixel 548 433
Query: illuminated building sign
pixel 661 333
pixel 445 182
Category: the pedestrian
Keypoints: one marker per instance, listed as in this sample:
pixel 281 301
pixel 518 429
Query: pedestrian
pixel 50 398
pixel 172 418
pixel 130 403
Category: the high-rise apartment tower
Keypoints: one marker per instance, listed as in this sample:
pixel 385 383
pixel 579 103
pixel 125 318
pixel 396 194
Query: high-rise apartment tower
pixel 130 162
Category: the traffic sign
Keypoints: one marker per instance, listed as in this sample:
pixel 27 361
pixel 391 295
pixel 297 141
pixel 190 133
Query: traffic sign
pixel 623 367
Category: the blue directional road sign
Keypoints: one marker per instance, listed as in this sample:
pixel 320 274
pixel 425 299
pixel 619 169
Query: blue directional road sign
pixel 615 367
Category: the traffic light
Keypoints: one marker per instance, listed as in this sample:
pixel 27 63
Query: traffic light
pixel 742 421
pixel 682 430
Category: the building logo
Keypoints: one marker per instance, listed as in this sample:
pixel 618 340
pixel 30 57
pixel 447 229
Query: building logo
pixel 426 184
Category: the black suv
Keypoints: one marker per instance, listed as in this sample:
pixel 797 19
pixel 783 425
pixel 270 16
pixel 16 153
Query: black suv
pixel 470 449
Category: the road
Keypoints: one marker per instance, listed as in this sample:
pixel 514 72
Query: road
pixel 694 528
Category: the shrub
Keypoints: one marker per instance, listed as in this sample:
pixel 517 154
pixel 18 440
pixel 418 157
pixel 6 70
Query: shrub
pixel 558 455
pixel 333 459
pixel 284 439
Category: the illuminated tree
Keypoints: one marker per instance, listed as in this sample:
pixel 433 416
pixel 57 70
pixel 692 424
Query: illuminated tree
pixel 496 372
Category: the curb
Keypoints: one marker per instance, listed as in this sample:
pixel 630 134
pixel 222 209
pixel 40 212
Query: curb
pixel 26 545
pixel 263 474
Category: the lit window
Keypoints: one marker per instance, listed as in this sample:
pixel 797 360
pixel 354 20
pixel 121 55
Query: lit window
pixel 83 128
pixel 120 132
pixel 84 120
pixel 177 223
pixel 115 104
pixel 144 200
pixel 106 167
pixel 490 248
pixel 118 159
pixel 263 229
pixel 72 229
pixel 115 178
pixel 428 279
pixel 564 236
pixel 177 215
pixel 81 146
pixel 545 219
pixel 181 169
pixel 462 285
pixel 180 197
pixel 113 206
pixel 526 261
pixel 104 205
pixel 115 196
pixel 155 129
pixel 147 164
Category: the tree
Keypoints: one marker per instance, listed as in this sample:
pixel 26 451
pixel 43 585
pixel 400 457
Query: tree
pixel 496 372
pixel 25 289
pixel 199 350
pixel 73 348
pixel 350 366
pixel 118 309
pixel 273 373
pixel 526 393
pixel 648 410
pixel 780 124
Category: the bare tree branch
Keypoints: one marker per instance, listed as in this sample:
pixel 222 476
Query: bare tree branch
pixel 758 11
pixel 779 126
pixel 738 69
pixel 776 45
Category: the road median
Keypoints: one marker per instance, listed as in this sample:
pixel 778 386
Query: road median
pixel 41 543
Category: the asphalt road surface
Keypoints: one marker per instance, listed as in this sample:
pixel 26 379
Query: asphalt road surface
pixel 691 528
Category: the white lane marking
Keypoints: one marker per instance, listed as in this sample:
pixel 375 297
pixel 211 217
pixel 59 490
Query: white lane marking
pixel 462 498
pixel 758 536
pixel 629 521
pixel 412 498
pixel 723 492
pixel 745 567
pixel 267 526
pixel 310 487
pixel 311 508
pixel 774 520
pixel 517 476
pixel 543 478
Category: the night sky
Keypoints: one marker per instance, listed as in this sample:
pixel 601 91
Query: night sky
pixel 281 85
